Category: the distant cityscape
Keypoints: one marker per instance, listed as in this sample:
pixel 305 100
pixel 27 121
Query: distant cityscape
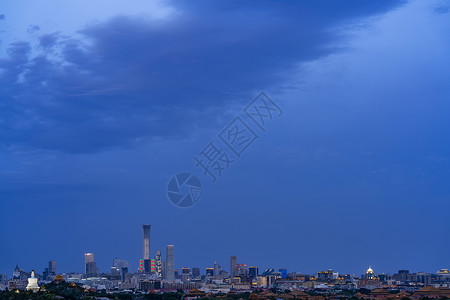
pixel 155 275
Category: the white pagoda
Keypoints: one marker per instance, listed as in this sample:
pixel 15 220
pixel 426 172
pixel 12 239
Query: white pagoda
pixel 32 283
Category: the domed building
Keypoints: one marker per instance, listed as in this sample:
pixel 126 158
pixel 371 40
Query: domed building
pixel 370 280
pixel 370 274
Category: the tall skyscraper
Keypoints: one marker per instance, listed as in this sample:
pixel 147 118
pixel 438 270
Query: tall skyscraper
pixel 170 260
pixel 253 272
pixel 146 247
pixel 233 266
pixel 196 273
pixel 52 267
pixel 158 263
pixel 90 265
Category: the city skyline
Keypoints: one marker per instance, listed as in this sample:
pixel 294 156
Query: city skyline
pixel 291 134
pixel 90 266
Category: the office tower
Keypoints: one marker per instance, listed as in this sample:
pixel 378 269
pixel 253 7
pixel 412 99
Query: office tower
pixel 91 269
pixel 195 272
pixel 283 273
pixel 90 265
pixel 158 263
pixel 185 273
pixel 253 271
pixel 164 269
pixel 121 266
pixel 216 270
pixel 170 271
pixel 115 272
pixel 242 269
pixel 52 267
pixel 146 247
pixel 147 265
pixel 233 266
pixel 210 272
pixel 88 257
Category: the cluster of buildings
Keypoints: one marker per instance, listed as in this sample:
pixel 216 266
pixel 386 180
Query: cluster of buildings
pixel 156 274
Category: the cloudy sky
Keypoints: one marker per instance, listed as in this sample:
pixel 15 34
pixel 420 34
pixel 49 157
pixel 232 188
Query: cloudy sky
pixel 102 103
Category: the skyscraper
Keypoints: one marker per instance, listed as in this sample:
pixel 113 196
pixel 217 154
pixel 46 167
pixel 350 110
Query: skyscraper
pixel 146 247
pixel 158 263
pixel 253 272
pixel 233 266
pixel 121 266
pixel 170 271
pixel 52 267
pixel 185 274
pixel 90 265
pixel 196 272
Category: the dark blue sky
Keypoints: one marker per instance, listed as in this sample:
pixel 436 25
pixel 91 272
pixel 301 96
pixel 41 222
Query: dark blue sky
pixel 101 105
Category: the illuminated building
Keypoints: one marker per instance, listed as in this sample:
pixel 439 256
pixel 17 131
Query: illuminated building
pixel 210 272
pixel 90 265
pixel 325 275
pixel 370 274
pixel 242 270
pixel 152 266
pixel 370 280
pixel 158 263
pixel 141 265
pixel 32 283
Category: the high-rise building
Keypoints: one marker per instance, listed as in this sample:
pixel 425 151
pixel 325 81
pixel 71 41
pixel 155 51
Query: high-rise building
pixel 216 270
pixel 88 257
pixel 242 270
pixel 170 261
pixel 158 263
pixel 210 272
pixel 253 271
pixel 233 266
pixel 52 267
pixel 121 266
pixel 185 274
pixel 196 273
pixel 146 247
pixel 90 265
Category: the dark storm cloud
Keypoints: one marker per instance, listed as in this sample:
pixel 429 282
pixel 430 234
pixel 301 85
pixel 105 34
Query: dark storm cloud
pixel 137 78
